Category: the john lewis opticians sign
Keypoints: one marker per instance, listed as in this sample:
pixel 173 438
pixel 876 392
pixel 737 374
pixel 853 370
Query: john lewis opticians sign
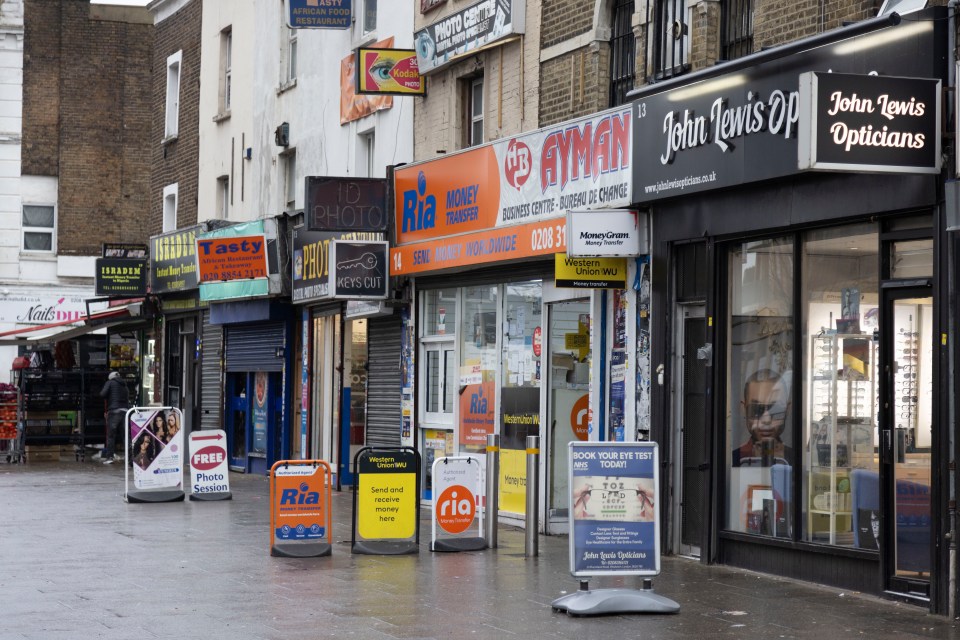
pixel 738 124
pixel 869 123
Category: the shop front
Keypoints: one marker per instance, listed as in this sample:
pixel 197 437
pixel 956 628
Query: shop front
pixel 239 274
pixel 349 337
pixel 498 338
pixel 799 320
pixel 176 352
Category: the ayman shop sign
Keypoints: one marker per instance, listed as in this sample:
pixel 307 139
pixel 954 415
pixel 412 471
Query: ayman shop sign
pixel 869 123
pixel 508 199
pixel 742 125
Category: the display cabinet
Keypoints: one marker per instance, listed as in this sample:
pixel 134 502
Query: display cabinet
pixel 843 413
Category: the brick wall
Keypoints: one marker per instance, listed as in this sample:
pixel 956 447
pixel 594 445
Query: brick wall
pixel 564 19
pixel 575 84
pixel 86 116
pixel 176 161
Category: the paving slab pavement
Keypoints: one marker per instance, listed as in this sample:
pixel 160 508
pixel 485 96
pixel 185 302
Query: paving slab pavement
pixel 77 562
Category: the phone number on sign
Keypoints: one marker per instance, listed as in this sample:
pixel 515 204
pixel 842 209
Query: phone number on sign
pixel 234 274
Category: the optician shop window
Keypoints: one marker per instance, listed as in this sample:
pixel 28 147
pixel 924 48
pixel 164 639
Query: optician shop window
pixel 780 446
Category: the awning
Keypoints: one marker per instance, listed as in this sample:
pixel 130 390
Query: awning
pixel 49 334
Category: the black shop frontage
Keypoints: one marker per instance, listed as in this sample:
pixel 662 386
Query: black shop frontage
pixel 800 324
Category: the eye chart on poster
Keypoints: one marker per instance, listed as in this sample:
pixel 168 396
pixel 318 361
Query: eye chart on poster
pixel 613 504
pixel 615 527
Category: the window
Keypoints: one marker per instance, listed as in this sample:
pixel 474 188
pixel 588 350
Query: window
pixel 622 52
pixel 802 396
pixel 671 39
pixel 474 112
pixel 172 117
pixel 290 55
pixel 736 28
pixel 367 156
pixel 840 298
pixel 290 180
pixel 759 454
pixel 223 197
pixel 39 228
pixel 369 16
pixel 226 70
pixel 170 207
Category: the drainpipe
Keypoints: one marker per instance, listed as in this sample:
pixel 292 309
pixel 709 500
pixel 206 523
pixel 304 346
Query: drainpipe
pixel 951 535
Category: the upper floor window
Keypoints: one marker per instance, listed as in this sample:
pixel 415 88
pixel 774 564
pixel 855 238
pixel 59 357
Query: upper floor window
pixel 366 156
pixel 474 112
pixel 226 69
pixel 39 225
pixel 290 55
pixel 223 197
pixel 671 39
pixel 170 207
pixel 623 52
pixel 736 28
pixel 289 159
pixel 369 16
pixel 172 116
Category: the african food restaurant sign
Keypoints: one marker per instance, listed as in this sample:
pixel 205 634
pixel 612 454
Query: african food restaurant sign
pixel 509 199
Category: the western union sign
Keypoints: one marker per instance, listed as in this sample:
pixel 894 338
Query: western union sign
pixel 590 273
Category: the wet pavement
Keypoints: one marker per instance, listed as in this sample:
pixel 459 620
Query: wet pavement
pixel 77 561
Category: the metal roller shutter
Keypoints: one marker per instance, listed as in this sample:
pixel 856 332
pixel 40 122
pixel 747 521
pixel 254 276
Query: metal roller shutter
pixel 211 381
pixel 383 382
pixel 255 347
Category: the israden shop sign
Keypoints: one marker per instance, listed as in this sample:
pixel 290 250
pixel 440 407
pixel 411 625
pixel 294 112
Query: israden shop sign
pixel 121 276
pixel 869 123
pixel 743 126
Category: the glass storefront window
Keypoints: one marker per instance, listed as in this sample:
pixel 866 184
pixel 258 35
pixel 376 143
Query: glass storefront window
pixel 760 456
pixel 478 367
pixel 439 312
pixel 911 259
pixel 840 296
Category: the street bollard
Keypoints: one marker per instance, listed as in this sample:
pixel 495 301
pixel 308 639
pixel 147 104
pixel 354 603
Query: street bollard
pixel 493 479
pixel 533 494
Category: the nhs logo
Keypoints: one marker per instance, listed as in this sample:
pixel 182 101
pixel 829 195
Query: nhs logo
pixel 419 212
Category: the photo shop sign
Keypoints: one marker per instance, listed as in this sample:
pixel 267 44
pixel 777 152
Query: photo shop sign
pixel 869 123
pixel 737 124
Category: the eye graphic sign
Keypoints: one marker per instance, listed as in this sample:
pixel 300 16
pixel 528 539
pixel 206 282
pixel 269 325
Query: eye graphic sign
pixel 389 72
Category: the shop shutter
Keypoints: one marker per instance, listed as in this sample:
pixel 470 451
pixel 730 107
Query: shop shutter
pixel 211 381
pixel 254 347
pixel 383 382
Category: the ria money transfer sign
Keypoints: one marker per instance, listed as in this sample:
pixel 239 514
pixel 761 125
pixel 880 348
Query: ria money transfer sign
pixel 509 199
pixel 613 495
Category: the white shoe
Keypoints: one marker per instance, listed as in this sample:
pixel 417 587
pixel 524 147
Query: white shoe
pixel 108 461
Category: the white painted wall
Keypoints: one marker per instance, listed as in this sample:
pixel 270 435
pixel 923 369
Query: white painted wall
pixel 223 137
pixel 11 106
pixel 311 105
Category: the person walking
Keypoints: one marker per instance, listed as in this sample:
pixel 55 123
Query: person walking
pixel 118 401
